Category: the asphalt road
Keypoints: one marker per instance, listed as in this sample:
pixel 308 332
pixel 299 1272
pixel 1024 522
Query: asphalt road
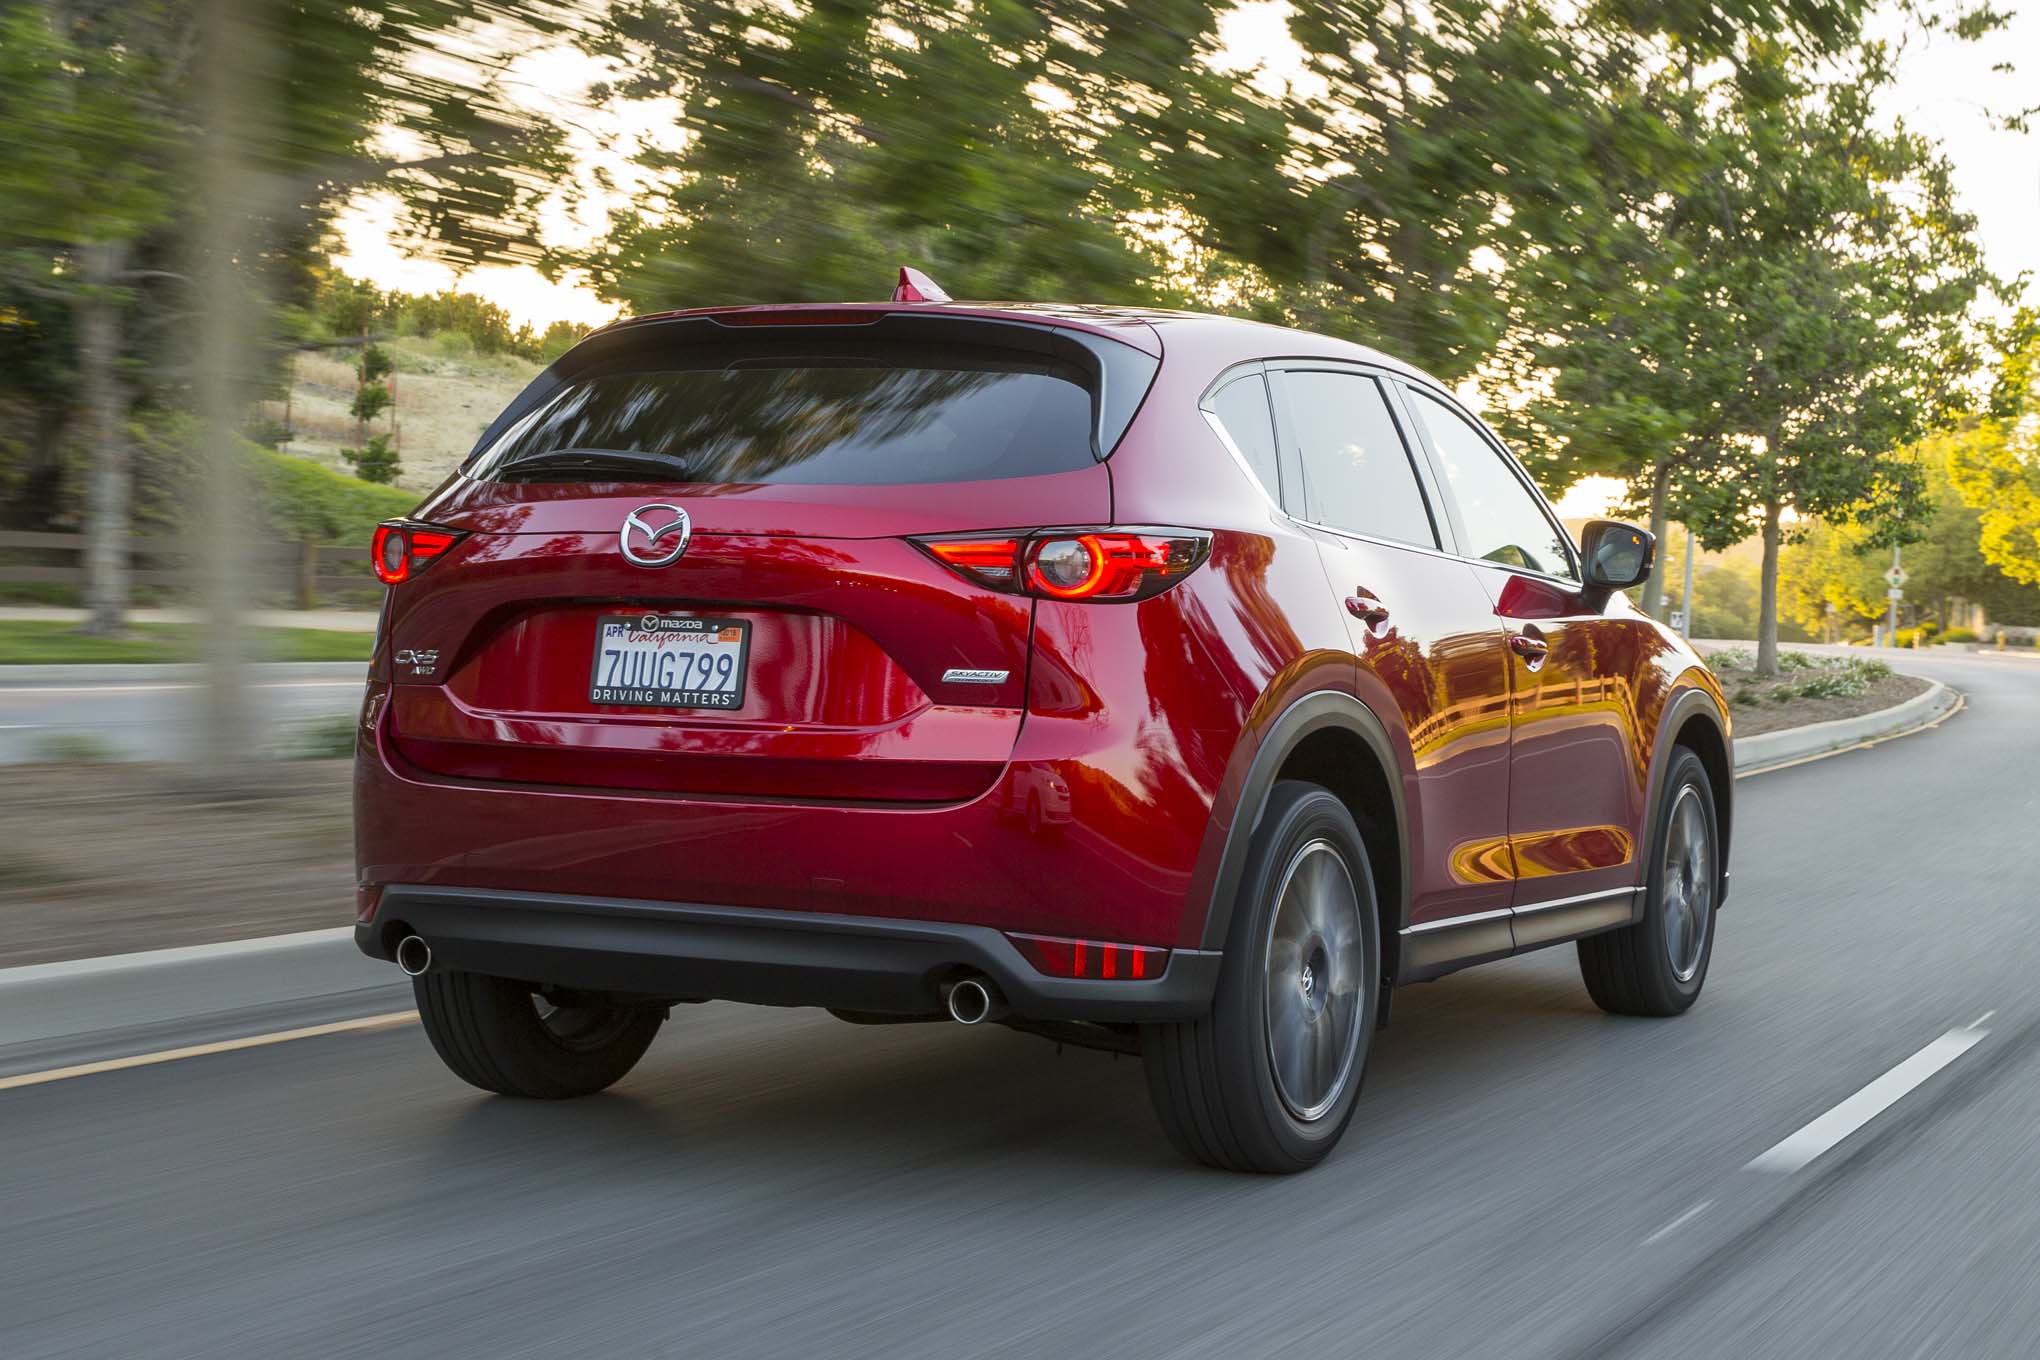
pixel 146 712
pixel 1527 1177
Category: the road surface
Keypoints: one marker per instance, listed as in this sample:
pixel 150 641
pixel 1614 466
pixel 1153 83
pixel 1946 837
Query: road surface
pixel 147 712
pixel 1836 1154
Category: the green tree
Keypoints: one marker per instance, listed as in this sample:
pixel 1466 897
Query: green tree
pixel 1995 465
pixel 1841 274
pixel 378 462
pixel 1001 146
pixel 113 154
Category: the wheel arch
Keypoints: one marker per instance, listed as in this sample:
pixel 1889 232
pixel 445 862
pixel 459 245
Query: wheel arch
pixel 1331 739
pixel 1694 720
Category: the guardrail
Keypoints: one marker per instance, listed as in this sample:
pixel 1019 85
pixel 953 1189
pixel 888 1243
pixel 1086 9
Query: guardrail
pixel 303 573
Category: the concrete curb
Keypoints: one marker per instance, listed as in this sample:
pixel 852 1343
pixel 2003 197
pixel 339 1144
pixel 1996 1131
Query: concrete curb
pixel 1772 749
pixel 48 1002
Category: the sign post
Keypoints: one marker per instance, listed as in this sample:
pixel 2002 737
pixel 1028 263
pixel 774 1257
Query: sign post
pixel 1895 578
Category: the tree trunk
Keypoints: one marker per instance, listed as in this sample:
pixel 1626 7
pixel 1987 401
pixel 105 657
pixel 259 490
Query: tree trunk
pixel 1767 604
pixel 1654 588
pixel 227 733
pixel 105 398
pixel 308 574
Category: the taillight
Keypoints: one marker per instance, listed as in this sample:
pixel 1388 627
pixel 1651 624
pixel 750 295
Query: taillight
pixel 1075 564
pixel 1099 959
pixel 401 549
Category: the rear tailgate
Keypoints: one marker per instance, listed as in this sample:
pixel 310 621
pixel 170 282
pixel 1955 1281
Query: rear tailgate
pixel 802 458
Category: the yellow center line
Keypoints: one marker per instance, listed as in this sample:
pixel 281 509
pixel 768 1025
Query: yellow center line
pixel 388 1020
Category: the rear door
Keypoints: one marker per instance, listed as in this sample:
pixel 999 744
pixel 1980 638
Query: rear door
pixel 1430 650
pixel 799 643
pixel 1578 751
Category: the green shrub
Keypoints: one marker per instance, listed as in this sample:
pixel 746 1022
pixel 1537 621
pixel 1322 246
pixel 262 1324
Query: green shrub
pixel 453 345
pixel 1958 635
pixel 1797 661
pixel 377 463
pixel 1835 684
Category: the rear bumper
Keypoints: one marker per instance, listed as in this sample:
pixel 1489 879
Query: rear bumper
pixel 776 958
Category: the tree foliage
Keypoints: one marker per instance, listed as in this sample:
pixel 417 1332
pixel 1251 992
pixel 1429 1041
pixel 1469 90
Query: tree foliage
pixel 1996 465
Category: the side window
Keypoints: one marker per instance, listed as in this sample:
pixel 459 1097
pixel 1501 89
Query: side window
pixel 1357 474
pixel 1241 408
pixel 1504 521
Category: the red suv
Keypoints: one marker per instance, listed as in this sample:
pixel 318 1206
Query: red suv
pixel 1169 684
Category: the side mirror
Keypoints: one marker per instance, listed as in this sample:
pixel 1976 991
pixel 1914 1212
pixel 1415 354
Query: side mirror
pixel 1616 555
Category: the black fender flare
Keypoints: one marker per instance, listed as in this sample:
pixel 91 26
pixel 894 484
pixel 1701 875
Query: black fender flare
pixel 1685 704
pixel 1312 713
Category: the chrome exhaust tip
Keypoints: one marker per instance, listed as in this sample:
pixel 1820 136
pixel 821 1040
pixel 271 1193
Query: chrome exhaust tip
pixel 974 1001
pixel 414 956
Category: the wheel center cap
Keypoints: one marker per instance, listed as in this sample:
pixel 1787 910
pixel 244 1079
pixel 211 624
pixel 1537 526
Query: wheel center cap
pixel 1314 964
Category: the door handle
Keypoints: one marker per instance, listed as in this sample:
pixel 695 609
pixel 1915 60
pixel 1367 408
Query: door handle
pixel 1367 609
pixel 1533 650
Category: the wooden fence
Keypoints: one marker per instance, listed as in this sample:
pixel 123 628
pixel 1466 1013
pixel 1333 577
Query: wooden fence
pixel 300 574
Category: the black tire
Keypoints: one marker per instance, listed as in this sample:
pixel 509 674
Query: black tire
pixel 1214 1080
pixel 1633 971
pixel 492 1033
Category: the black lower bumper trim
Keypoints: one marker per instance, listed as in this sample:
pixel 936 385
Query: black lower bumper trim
pixel 774 958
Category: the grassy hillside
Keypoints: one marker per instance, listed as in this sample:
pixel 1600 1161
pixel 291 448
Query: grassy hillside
pixel 446 395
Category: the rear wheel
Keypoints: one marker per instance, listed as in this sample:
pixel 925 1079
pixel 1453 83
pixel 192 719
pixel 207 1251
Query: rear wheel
pixel 503 1037
pixel 1657 966
pixel 1268 1080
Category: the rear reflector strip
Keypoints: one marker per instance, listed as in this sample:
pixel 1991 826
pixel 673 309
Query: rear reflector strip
pixel 1102 960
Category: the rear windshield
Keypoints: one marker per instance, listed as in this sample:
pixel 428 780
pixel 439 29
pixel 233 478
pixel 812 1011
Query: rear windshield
pixel 832 414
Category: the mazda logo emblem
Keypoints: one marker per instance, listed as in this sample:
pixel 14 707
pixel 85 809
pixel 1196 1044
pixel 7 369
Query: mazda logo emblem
pixel 652 544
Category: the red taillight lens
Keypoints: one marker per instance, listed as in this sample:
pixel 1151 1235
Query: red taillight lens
pixel 1076 564
pixel 400 550
pixel 1099 959
pixel 993 561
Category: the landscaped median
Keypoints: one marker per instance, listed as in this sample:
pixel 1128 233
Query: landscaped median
pixel 1819 704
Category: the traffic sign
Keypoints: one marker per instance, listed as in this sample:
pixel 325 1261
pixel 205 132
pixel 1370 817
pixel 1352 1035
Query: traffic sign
pixel 1895 577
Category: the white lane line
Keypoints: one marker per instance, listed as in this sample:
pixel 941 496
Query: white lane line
pixel 1977 1023
pixel 1681 1221
pixel 1797 1149
pixel 93 1069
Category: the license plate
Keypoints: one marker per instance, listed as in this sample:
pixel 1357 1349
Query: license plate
pixel 669 661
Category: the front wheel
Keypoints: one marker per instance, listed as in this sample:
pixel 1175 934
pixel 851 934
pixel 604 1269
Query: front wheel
pixel 1268 1080
pixel 1657 966
pixel 501 1036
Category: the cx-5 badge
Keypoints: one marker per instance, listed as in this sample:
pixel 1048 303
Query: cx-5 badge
pixel 641 539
